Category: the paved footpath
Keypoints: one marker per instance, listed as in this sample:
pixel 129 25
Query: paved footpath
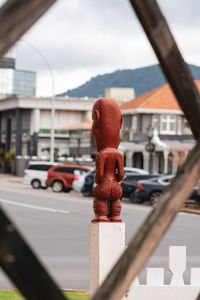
pixel 11 178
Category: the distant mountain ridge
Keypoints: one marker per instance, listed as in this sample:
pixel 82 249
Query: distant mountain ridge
pixel 141 79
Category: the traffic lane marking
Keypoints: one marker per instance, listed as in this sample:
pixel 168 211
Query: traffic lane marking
pixel 48 209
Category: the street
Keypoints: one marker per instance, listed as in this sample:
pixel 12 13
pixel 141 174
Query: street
pixel 56 226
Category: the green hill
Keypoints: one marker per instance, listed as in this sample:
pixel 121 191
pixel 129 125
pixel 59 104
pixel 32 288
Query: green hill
pixel 142 80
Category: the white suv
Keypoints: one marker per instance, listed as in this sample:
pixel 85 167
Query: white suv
pixel 36 173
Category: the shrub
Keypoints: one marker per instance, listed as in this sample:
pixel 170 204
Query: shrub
pixel 10 155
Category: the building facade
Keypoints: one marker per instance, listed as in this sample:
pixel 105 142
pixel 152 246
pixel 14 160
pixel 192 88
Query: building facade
pixel 157 109
pixel 155 117
pixel 26 126
pixel 25 123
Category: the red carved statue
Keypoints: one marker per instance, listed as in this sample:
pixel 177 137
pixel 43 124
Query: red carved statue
pixel 107 120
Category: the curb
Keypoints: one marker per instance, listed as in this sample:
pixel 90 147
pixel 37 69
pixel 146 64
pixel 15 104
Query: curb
pixel 11 178
pixel 191 210
pixel 17 180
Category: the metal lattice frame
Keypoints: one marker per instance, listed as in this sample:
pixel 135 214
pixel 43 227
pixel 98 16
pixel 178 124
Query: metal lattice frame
pixel 16 257
pixel 22 266
pixel 154 227
pixel 16 17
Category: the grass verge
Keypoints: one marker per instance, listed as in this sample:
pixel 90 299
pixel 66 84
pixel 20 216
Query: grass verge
pixel 15 295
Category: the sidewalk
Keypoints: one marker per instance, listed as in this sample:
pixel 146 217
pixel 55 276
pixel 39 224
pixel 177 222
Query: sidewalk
pixel 16 179
pixel 11 178
pixel 191 210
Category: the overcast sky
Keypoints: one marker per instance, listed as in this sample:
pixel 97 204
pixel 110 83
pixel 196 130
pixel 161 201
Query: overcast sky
pixel 80 39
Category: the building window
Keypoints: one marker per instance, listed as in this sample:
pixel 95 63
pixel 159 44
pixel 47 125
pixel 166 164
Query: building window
pixel 137 160
pixel 155 122
pixel 179 125
pixel 172 126
pixel 134 123
pixel 133 128
pixel 168 124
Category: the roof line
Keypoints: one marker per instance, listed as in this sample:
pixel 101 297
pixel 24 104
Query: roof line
pixel 151 110
pixel 162 87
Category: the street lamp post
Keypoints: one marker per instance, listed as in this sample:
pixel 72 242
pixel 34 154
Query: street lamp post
pixel 150 157
pixel 79 132
pixel 52 122
pixel 52 142
pixel 150 147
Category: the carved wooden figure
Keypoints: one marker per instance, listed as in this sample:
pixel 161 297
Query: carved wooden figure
pixel 107 120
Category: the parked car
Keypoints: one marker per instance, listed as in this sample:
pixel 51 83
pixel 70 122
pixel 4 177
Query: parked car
pixel 60 177
pixel 150 190
pixel 129 183
pixel 78 184
pixel 129 170
pixel 88 186
pixel 88 183
pixel 36 173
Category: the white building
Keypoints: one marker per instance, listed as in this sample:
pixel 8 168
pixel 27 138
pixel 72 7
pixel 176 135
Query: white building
pixel 120 94
pixel 157 109
pixel 25 123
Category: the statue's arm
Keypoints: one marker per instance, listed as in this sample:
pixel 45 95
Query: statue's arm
pixel 120 165
pixel 99 168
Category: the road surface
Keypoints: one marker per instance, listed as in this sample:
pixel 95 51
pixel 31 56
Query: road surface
pixel 56 226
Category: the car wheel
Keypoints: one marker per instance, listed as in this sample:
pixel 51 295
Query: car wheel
pixel 57 186
pixel 153 198
pixel 133 199
pixel 87 194
pixel 36 184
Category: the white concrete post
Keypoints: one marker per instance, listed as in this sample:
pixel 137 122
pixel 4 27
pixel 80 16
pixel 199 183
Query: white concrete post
pixel 177 264
pixel 155 287
pixel 129 155
pixel 35 120
pixel 107 242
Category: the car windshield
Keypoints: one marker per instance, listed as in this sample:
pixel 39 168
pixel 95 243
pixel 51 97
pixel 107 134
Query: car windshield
pixel 166 180
pixel 152 179
pixel 39 167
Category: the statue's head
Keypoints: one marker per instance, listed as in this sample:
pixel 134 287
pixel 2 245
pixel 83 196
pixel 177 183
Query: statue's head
pixel 107 120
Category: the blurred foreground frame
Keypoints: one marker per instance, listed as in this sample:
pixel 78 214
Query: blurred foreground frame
pixel 16 257
pixel 148 236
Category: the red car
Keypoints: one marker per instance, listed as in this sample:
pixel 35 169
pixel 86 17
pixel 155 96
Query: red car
pixel 60 177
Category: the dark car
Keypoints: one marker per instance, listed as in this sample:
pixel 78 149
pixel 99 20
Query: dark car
pixel 150 190
pixel 88 184
pixel 87 189
pixel 129 184
pixel 60 177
